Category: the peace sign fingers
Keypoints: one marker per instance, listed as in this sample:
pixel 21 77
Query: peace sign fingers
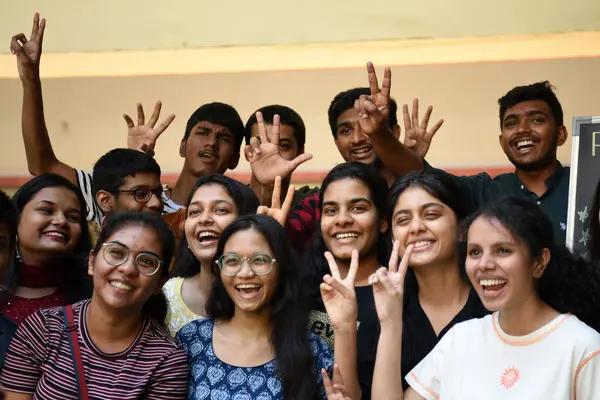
pixel 373 83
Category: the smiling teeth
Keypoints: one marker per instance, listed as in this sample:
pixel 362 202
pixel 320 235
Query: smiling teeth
pixel 247 286
pixel 57 234
pixel 121 285
pixel 491 282
pixel 207 234
pixel 523 143
pixel 346 235
pixel 422 243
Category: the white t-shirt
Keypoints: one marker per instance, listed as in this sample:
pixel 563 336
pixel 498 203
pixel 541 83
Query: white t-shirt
pixel 94 212
pixel 477 360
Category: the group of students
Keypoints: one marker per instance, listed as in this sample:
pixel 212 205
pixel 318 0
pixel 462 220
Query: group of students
pixel 391 280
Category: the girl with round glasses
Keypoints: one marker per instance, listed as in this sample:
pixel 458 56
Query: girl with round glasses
pixel 114 346
pixel 255 344
pixel 215 202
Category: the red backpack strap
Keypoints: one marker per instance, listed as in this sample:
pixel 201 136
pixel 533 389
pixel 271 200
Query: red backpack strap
pixel 71 329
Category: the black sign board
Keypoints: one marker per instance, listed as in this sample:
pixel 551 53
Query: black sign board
pixel 585 175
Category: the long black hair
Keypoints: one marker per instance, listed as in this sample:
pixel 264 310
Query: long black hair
pixel 289 316
pixel 442 187
pixel 568 284
pixel 245 200
pixel 156 306
pixel 315 264
pixel 10 218
pixel 76 285
pixel 594 248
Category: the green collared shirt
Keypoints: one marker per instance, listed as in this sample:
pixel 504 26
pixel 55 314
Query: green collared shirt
pixel 554 202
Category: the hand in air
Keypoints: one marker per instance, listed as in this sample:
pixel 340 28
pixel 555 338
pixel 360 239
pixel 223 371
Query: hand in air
pixel 335 390
pixel 143 136
pixel 416 136
pixel 388 286
pixel 264 157
pixel 338 294
pixel 29 51
pixel 374 110
pixel 278 210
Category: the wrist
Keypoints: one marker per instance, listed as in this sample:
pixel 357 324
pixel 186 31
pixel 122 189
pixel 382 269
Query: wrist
pixel 31 81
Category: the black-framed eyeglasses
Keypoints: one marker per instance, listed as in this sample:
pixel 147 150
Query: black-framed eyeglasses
pixel 231 263
pixel 116 254
pixel 144 194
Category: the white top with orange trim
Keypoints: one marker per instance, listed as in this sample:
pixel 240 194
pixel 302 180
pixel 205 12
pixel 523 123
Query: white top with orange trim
pixel 477 360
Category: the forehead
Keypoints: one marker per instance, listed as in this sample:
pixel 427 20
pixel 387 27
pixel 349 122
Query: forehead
pixel 147 179
pixel 415 197
pixel 137 237
pixel 211 192
pixel 213 127
pixel 61 196
pixel 528 107
pixel 285 131
pixel 344 190
pixel 247 242
pixel 349 116
pixel 486 231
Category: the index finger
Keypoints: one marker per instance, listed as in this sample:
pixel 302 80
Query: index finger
pixel 262 129
pixel 335 271
pixel 405 260
pixel 287 202
pixel 393 264
pixel 276 197
pixel 373 84
pixel 35 27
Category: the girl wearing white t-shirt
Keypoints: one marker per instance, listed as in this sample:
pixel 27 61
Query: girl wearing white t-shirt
pixel 535 345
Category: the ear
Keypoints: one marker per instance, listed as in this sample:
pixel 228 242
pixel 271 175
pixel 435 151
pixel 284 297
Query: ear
pixel 235 159
pixel 106 201
pixel 91 260
pixel 384 226
pixel 541 264
pixel 182 146
pixel 396 131
pixel 562 135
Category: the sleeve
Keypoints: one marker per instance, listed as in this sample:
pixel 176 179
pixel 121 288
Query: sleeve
pixel 170 379
pixel 26 354
pixel 302 222
pixel 323 359
pixel 587 377
pixel 426 377
pixel 84 181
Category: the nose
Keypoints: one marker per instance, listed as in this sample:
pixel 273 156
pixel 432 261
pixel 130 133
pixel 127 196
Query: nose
pixel 128 268
pixel 486 263
pixel 155 203
pixel 343 218
pixel 206 217
pixel 416 226
pixel 210 140
pixel 357 135
pixel 246 271
pixel 523 125
pixel 59 219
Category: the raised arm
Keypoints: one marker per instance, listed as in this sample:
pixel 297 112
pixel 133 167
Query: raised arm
pixel 38 148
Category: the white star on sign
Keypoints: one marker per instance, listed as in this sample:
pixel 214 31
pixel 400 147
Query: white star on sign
pixel 585 237
pixel 583 214
pixel 563 226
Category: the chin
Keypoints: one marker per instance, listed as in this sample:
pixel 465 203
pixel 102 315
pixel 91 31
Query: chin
pixel 204 253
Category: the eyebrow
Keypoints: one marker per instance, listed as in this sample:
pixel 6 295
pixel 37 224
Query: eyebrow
pixel 352 201
pixel 127 247
pixel 195 203
pixel 528 114
pixel 426 205
pixel 343 124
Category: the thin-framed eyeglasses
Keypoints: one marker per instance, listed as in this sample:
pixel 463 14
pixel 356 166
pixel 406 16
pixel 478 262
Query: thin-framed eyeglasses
pixel 231 263
pixel 144 194
pixel 116 254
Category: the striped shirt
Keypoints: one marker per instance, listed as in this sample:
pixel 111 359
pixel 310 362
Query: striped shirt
pixel 94 213
pixel 39 362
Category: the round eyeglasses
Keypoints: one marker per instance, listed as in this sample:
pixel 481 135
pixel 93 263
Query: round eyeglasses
pixel 117 254
pixel 231 264
pixel 144 194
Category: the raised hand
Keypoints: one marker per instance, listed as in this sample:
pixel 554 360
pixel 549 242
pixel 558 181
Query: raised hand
pixel 143 136
pixel 374 110
pixel 416 136
pixel 338 294
pixel 264 157
pixel 388 286
pixel 335 390
pixel 29 52
pixel 278 210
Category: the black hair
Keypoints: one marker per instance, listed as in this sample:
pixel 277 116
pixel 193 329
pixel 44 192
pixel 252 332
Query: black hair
pixel 345 100
pixel 186 265
pixel 9 217
pixel 594 224
pixel 156 306
pixel 289 316
pixel 314 258
pixel 111 170
pixel 218 114
pixel 76 285
pixel 287 117
pixel 536 91
pixel 568 284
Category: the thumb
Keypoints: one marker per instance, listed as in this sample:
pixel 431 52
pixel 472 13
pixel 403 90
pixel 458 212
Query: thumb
pixel 302 158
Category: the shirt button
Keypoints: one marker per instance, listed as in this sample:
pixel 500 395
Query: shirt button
pixel 522 187
pixel 539 202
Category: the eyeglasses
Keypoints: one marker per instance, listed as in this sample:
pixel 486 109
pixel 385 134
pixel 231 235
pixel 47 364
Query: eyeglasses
pixel 231 264
pixel 144 194
pixel 116 254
